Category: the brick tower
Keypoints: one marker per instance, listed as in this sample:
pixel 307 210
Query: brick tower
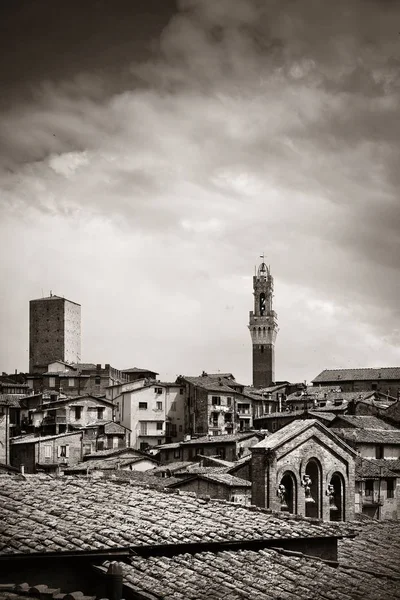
pixel 263 328
pixel 54 332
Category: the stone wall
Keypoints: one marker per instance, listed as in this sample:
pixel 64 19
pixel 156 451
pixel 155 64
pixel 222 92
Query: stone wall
pixel 263 365
pixel 293 459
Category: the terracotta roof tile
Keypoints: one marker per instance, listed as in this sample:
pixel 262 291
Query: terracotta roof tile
pixel 101 514
pixel 368 436
pixel 274 575
pixel 225 438
pixel 375 468
pixel 338 375
pixel 365 422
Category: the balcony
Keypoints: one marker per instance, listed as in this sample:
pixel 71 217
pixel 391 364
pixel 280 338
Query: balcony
pixel 55 420
pixel 371 499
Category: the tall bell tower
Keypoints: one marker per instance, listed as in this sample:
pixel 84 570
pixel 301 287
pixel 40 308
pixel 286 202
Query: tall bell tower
pixel 263 328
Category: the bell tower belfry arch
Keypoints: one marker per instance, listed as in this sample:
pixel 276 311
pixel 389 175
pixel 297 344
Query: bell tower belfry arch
pixel 263 327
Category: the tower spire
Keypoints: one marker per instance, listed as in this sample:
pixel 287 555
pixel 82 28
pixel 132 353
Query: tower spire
pixel 263 327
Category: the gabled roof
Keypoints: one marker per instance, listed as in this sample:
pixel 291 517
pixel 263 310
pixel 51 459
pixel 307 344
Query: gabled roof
pixel 222 439
pixel 54 297
pixel 83 366
pixel 32 439
pixel 393 412
pixel 10 400
pixel 296 428
pixel 224 479
pixel 107 464
pixel 100 454
pixel 172 467
pixel 366 469
pixel 368 569
pixel 218 375
pixel 110 427
pixel 338 375
pixel 110 515
pixel 361 422
pixel 368 436
pixel 74 400
pixel 137 370
pixel 212 384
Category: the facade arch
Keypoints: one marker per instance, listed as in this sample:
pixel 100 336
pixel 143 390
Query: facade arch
pixel 312 483
pixel 336 492
pixel 287 490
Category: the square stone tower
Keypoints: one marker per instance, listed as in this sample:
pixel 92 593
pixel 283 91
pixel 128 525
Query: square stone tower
pixel 263 328
pixel 54 332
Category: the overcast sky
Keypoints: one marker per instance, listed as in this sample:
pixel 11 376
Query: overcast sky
pixel 150 152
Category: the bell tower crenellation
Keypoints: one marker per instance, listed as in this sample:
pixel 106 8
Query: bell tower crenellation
pixel 263 328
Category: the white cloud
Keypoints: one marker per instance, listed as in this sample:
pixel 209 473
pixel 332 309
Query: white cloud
pixel 252 131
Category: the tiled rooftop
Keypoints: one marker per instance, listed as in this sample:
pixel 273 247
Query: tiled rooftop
pixel 226 479
pixel 11 400
pixel 114 452
pixel 368 570
pixel 220 384
pixel 31 438
pixel 105 464
pixel 292 430
pixel 368 436
pixel 172 467
pixel 374 468
pixel 365 422
pixel 383 373
pixel 78 515
pixel 376 549
pixel 217 439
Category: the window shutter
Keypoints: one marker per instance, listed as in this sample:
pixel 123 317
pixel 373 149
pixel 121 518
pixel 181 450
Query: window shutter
pixel 67 451
pixel 58 451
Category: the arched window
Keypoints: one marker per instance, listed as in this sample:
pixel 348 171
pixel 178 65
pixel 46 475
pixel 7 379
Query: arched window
pixel 262 303
pixel 312 483
pixel 336 493
pixel 287 492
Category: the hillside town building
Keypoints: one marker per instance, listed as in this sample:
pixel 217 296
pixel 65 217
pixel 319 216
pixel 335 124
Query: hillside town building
pixel 73 379
pixel 154 411
pixel 216 404
pixel 385 380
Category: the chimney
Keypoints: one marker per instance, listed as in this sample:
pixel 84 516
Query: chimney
pixel 114 581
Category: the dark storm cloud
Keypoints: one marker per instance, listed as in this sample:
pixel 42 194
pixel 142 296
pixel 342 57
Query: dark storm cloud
pixel 221 128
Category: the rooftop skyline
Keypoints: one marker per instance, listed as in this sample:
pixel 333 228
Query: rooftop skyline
pixel 151 152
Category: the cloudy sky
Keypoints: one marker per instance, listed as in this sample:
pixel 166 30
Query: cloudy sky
pixel 151 151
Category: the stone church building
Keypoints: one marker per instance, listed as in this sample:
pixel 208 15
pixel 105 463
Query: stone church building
pixel 304 469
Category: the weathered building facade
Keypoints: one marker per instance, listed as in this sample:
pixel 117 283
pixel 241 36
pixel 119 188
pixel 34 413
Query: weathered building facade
pixel 153 411
pixel 75 379
pixel 304 469
pixel 216 405
pixel 385 380
pixel 49 453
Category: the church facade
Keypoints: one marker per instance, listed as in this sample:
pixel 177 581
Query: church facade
pixel 263 326
pixel 304 469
